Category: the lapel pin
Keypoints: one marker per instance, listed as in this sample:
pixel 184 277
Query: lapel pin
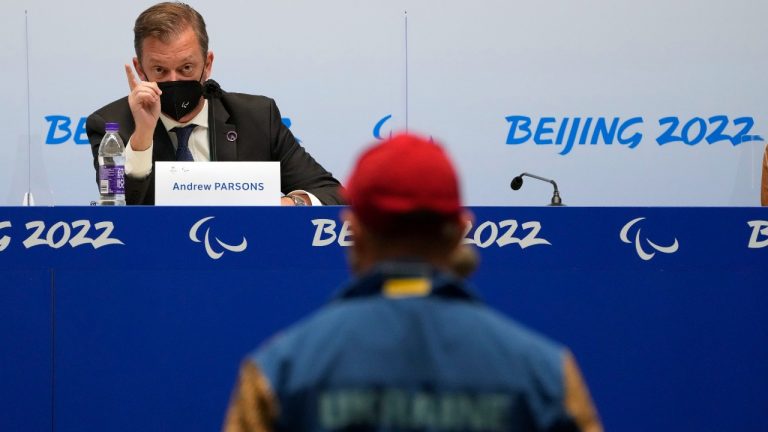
pixel 231 136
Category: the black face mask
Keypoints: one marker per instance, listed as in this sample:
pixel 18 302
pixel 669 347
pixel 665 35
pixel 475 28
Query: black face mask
pixel 179 98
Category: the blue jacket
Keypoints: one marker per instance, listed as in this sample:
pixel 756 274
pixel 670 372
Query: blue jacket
pixel 409 348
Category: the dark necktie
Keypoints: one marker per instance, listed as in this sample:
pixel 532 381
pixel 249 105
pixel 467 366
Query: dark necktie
pixel 182 135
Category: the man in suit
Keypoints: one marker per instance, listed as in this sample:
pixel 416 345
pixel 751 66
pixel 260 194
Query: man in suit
pixel 165 116
pixel 407 345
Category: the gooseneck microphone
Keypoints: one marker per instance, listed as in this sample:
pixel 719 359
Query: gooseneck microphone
pixel 517 183
pixel 211 91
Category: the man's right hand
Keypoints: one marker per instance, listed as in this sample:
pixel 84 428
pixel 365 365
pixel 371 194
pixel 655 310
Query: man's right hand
pixel 144 100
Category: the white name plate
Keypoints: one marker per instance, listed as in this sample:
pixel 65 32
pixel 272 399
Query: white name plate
pixel 217 183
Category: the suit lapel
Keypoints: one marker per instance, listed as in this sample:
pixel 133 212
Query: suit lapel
pixel 162 147
pixel 226 132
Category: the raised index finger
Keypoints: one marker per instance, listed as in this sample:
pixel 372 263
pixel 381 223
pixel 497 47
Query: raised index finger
pixel 131 77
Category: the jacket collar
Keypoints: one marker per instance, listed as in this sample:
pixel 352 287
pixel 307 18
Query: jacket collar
pixel 410 276
pixel 226 130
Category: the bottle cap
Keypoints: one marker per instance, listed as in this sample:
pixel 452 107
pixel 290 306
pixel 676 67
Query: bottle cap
pixel 112 127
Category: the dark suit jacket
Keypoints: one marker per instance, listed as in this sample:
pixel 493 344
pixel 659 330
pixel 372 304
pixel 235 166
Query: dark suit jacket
pixel 261 136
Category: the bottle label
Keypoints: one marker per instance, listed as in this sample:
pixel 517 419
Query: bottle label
pixel 112 180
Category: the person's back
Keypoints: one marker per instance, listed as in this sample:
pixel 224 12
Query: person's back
pixel 407 346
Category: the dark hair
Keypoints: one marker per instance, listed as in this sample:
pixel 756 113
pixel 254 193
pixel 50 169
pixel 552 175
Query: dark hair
pixel 420 232
pixel 167 20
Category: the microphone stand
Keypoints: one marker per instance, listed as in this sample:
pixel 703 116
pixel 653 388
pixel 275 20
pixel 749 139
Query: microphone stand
pixel 212 91
pixel 517 183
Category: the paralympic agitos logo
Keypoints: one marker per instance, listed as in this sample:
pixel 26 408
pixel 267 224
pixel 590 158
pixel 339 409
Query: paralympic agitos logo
pixel 567 133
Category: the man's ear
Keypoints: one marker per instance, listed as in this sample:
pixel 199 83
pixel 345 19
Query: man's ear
pixel 357 258
pixel 208 66
pixel 138 69
pixel 348 217
pixel 467 219
pixel 361 238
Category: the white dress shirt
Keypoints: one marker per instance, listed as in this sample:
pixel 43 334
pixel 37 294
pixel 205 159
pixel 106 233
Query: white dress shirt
pixel 138 164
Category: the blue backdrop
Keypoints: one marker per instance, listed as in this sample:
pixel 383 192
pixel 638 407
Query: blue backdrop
pixel 143 328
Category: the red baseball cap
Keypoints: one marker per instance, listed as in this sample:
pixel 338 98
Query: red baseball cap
pixel 404 174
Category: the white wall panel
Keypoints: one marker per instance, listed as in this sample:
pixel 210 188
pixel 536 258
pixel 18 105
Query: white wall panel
pixel 337 68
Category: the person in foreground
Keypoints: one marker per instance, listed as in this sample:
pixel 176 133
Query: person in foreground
pixel 407 345
pixel 166 118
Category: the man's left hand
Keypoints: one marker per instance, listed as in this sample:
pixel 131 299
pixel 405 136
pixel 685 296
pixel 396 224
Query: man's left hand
pixel 289 201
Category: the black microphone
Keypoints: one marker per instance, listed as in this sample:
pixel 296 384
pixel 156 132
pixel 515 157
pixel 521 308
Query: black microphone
pixel 517 183
pixel 211 91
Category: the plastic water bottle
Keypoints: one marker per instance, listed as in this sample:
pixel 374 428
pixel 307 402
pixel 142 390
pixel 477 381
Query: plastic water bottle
pixel 112 167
